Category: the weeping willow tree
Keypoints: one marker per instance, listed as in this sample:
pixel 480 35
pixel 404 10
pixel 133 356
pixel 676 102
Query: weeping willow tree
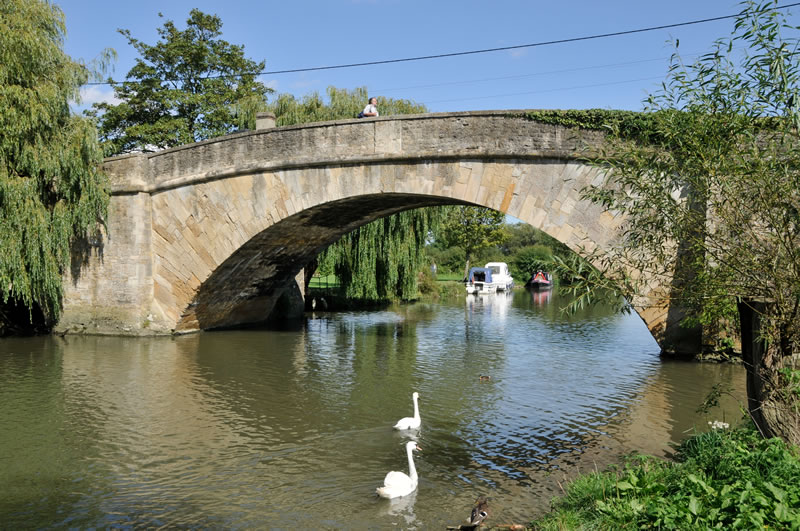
pixel 51 192
pixel 340 104
pixel 380 260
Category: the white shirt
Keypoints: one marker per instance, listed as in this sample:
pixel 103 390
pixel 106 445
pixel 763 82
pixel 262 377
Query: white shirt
pixel 370 109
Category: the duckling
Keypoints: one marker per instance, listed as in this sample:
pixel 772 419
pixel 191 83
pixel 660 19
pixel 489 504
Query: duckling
pixel 484 377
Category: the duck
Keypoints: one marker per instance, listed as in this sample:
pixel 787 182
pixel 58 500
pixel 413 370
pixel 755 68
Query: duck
pixel 397 484
pixel 410 423
pixel 484 377
pixel 480 510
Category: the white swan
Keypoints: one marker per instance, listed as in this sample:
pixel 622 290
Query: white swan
pixel 410 423
pixel 397 484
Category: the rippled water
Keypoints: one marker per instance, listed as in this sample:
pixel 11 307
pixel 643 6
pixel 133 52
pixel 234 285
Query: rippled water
pixel 292 428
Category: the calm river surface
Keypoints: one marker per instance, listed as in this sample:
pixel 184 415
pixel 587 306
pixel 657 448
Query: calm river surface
pixel 288 429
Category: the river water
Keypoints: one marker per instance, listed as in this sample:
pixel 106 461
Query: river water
pixel 292 428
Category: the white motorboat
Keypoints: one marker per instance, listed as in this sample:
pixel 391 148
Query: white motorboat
pixel 501 277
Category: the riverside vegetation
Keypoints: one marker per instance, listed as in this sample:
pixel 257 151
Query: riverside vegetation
pixel 724 131
pixel 723 479
pixel 708 181
pixel 53 199
pixel 705 130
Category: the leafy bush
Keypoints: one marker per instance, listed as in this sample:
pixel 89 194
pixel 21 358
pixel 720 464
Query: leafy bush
pixel 529 260
pixel 722 479
pixel 426 283
pixel 447 260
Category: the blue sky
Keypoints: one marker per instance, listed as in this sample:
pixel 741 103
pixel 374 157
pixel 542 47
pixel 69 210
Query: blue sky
pixel 609 73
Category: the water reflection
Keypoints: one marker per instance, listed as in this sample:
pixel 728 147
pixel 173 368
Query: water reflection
pixel 401 508
pixel 540 297
pixel 293 428
pixel 494 304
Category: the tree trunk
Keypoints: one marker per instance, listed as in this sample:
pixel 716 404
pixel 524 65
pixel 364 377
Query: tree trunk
pixel 773 406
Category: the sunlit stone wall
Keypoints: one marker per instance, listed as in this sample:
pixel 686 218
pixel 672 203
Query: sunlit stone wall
pixel 210 234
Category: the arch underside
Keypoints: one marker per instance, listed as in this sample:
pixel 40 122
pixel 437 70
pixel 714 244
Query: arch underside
pixel 245 284
pixel 244 287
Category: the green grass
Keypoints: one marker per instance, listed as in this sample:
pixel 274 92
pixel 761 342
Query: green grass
pixel 448 277
pixel 731 479
pixel 322 282
pixel 444 283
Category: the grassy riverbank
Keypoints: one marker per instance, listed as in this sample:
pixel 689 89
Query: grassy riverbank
pixel 731 479
pixel 443 286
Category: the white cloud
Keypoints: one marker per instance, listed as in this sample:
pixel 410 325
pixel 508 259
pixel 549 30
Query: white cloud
pixel 96 94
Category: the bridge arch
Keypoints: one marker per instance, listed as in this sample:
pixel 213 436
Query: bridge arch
pixel 209 235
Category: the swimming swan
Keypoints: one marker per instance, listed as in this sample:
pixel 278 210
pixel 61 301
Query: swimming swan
pixel 397 484
pixel 410 423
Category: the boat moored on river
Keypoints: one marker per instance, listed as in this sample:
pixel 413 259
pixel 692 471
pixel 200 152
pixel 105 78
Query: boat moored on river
pixel 479 281
pixel 541 280
pixel 501 277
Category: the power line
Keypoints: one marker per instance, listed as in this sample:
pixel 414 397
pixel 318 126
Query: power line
pixel 544 91
pixel 533 74
pixel 481 51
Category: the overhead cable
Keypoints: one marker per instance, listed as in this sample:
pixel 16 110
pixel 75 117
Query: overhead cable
pixel 481 51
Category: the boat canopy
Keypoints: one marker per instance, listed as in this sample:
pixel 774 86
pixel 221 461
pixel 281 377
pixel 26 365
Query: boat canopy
pixel 480 274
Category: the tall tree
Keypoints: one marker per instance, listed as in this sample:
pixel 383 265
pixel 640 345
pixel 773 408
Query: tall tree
pixel 710 186
pixel 380 260
pixel 189 86
pixel 472 229
pixel 51 192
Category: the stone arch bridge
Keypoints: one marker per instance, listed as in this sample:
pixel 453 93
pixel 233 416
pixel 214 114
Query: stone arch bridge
pixel 209 235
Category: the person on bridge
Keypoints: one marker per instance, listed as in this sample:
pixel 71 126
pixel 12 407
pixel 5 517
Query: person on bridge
pixel 371 109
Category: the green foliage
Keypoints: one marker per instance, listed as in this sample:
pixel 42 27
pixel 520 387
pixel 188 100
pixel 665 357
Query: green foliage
pixel 791 384
pixel 633 125
pixel 188 87
pixel 520 235
pixel 472 229
pixel 448 260
pixel 708 179
pixel 528 260
pixel 427 282
pixel 732 479
pixel 51 192
pixel 586 285
pixel 342 104
pixel 712 399
pixel 381 260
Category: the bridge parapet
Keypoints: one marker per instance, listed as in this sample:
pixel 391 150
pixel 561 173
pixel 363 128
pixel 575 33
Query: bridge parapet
pixel 480 134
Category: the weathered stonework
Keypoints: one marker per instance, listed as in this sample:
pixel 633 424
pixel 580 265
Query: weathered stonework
pixel 210 234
